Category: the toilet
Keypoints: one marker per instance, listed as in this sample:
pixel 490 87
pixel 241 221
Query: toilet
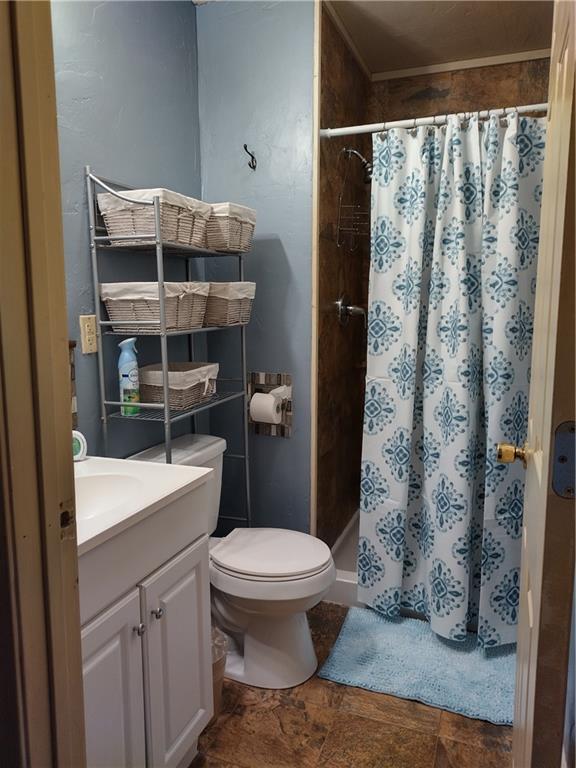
pixel 263 581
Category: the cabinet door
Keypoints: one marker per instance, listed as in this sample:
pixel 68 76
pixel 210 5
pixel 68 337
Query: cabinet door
pixel 113 687
pixel 175 603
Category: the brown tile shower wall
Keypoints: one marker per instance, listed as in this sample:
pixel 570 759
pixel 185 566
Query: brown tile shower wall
pixel 348 98
pixel 345 93
pixel 464 90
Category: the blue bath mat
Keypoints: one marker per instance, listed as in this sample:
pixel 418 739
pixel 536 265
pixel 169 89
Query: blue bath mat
pixel 405 658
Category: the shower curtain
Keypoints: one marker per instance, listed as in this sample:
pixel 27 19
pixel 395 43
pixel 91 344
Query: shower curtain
pixel 455 223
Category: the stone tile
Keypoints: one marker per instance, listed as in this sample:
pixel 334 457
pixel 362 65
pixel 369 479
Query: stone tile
pixel 250 696
pixel 268 729
pixel 230 697
pixel 364 743
pixel 323 693
pixel 476 733
pixel 454 754
pixel 325 622
pixel 205 761
pixel 391 709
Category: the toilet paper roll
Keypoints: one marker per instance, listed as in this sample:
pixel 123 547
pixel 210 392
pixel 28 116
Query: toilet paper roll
pixel 266 408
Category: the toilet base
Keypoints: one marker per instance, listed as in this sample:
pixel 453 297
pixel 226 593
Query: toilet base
pixel 277 652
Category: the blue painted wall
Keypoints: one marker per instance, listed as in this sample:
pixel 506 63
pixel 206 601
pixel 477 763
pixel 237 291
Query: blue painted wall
pixel 131 85
pixel 126 83
pixel 255 65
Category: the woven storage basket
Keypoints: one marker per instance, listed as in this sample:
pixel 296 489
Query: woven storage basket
pixel 188 384
pixel 185 305
pixel 230 228
pixel 229 304
pixel 182 219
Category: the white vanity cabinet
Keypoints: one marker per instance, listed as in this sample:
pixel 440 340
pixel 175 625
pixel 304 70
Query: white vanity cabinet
pixel 113 686
pixel 177 646
pixel 148 669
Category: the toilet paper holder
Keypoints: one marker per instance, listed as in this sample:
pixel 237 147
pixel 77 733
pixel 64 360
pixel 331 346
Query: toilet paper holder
pixel 281 385
pixel 284 392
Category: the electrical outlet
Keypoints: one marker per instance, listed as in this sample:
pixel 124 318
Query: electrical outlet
pixel 88 341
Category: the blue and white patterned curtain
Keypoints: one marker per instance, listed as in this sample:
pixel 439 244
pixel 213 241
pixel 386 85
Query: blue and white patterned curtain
pixel 455 222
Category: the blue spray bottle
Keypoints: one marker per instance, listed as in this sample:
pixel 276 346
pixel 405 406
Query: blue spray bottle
pixel 128 376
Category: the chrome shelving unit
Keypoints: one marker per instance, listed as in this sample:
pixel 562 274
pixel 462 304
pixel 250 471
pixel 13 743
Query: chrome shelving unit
pixel 227 389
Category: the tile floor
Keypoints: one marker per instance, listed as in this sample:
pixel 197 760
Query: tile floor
pixel 321 724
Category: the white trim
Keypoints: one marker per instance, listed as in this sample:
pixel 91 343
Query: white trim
pixel 415 122
pixel 313 517
pixel 350 524
pixel 451 66
pixel 346 37
pixel 344 590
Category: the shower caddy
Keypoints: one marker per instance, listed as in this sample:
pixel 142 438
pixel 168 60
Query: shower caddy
pixel 161 412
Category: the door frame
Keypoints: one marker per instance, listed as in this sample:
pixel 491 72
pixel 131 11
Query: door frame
pixel 315 269
pixel 546 598
pixel 39 583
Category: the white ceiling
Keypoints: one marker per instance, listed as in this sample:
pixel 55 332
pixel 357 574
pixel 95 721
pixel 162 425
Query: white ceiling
pixel 403 34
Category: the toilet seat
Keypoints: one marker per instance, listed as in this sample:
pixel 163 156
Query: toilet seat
pixel 270 554
pixel 272 590
pixel 267 579
pixel 271 564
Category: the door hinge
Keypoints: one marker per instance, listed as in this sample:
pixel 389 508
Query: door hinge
pixel 563 461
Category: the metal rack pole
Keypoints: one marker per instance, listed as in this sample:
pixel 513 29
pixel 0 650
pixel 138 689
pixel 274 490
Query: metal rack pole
pixel 245 405
pixel 191 351
pixel 163 337
pixel 97 313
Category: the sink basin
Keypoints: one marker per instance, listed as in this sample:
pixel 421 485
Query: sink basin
pixel 114 494
pixel 103 492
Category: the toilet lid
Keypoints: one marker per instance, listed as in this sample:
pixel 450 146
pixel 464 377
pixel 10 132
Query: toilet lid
pixel 270 553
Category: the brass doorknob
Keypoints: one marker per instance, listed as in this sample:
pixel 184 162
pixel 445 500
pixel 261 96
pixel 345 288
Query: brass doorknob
pixel 506 453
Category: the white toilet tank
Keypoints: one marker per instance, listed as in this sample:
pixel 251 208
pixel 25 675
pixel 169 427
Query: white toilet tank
pixel 194 451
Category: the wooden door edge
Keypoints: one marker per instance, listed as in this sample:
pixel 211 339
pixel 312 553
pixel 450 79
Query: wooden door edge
pixel 38 403
pixel 559 548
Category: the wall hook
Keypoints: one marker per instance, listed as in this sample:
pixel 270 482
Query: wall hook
pixel 252 163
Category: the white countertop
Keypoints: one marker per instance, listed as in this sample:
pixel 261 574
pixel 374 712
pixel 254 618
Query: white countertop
pixel 114 494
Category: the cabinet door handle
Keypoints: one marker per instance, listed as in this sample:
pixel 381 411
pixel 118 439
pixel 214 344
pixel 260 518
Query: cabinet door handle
pixel 140 629
pixel 157 613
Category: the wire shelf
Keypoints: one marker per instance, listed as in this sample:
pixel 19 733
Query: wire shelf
pixel 148 243
pixel 158 332
pixel 157 414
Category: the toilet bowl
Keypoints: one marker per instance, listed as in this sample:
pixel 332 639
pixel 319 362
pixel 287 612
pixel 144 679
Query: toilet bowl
pixel 263 580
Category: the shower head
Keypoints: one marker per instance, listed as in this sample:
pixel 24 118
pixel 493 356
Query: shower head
pixel 366 164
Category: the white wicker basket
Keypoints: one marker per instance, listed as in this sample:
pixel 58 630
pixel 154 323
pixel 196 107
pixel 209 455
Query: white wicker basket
pixel 188 384
pixel 230 228
pixel 229 304
pixel 182 219
pixel 184 303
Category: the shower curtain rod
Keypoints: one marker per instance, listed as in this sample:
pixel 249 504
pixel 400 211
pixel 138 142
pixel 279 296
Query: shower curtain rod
pixel 329 133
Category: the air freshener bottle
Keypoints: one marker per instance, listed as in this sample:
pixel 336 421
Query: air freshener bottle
pixel 128 377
